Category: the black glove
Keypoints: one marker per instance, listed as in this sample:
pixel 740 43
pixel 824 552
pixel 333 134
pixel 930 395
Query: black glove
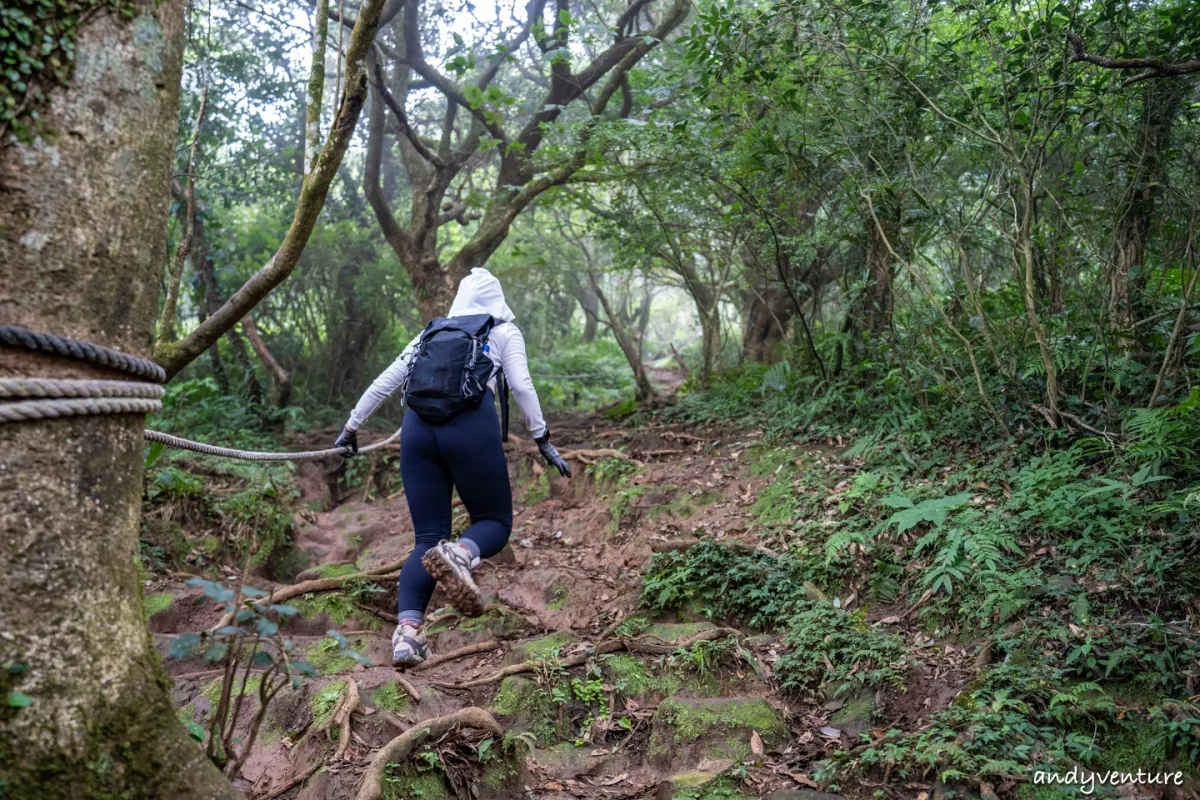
pixel 551 455
pixel 349 439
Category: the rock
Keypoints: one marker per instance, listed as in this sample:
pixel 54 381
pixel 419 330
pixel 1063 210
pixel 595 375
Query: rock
pixel 802 794
pixel 567 762
pixel 687 730
pixel 854 716
pixel 761 640
pixel 540 648
pixel 674 633
pixel 688 783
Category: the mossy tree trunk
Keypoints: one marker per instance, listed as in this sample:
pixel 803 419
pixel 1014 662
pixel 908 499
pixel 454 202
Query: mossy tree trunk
pixel 83 240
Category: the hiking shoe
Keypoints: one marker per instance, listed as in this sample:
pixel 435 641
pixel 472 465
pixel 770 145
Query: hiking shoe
pixel 450 565
pixel 409 645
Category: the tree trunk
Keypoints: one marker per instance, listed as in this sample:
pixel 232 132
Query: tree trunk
pixel 1160 101
pixel 352 331
pixel 202 265
pixel 280 377
pixel 83 239
pixel 768 309
pixel 591 313
pixel 633 353
pixel 877 298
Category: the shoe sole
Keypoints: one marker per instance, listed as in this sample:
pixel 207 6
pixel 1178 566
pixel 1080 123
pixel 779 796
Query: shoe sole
pixel 464 597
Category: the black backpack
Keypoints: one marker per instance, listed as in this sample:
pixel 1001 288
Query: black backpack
pixel 451 368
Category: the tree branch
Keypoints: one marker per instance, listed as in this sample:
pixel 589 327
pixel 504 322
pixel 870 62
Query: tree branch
pixel 1153 67
pixel 174 357
pixel 402 120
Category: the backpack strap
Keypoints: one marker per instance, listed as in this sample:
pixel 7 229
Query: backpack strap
pixel 502 386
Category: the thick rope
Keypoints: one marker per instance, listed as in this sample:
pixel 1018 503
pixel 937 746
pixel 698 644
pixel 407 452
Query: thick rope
pixel 62 387
pixel 27 411
pixel 60 397
pixel 251 455
pixel 14 336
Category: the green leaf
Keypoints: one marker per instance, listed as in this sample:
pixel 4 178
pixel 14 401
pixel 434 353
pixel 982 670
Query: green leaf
pixel 931 511
pixel 19 700
pixel 196 731
pixel 183 645
pixel 481 750
pixel 266 627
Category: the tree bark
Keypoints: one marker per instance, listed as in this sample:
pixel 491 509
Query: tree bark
pixel 1135 213
pixel 82 243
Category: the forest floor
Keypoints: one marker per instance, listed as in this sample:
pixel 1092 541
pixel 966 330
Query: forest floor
pixel 653 707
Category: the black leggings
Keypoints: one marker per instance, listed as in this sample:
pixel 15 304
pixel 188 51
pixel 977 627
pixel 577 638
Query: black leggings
pixel 464 453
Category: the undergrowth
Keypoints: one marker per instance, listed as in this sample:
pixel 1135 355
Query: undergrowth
pixel 1068 558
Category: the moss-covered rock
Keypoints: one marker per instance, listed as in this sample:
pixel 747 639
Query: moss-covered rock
pixel 676 632
pixel 541 648
pixel 411 784
pixel 391 697
pixel 855 716
pixel 154 603
pixel 565 761
pixel 531 709
pixel 700 785
pixel 686 730
pixel 495 623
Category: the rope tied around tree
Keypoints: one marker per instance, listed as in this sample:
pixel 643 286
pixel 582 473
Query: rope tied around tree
pixel 54 398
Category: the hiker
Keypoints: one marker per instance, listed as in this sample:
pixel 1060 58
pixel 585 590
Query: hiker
pixel 451 373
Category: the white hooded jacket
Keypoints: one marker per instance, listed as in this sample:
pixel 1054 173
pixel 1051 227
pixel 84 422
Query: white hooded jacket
pixel 478 293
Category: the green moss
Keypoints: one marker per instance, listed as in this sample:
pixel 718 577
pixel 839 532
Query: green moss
pixel 1133 746
pixel 337 605
pixel 212 692
pixel 729 720
pixel 765 461
pixel 676 632
pixel 622 504
pixel 329 659
pixel 335 570
pixel 392 697
pixel 325 701
pixel 857 709
pixel 561 597
pixel 775 503
pixel 634 678
pixel 211 545
pixel 531 707
pixel 705 786
pixel 410 784
pixel 541 648
pixel 154 603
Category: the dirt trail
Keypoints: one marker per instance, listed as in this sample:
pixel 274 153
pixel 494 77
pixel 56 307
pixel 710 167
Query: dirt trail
pixel 631 725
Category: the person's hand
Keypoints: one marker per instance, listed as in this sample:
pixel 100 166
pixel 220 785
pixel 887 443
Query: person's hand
pixel 551 454
pixel 349 439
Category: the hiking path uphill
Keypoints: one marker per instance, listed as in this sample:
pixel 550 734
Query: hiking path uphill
pixel 595 695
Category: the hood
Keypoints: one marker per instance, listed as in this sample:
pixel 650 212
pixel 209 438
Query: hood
pixel 481 293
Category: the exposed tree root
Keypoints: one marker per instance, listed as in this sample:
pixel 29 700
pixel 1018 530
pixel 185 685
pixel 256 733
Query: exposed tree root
pixel 342 718
pixel 630 645
pixel 462 652
pixel 313 573
pixel 293 783
pixel 398 749
pixel 283 594
pixel 414 694
pixel 590 457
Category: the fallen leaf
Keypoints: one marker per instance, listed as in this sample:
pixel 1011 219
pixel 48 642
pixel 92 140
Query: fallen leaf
pixel 613 780
pixel 756 745
pixel 714 765
pixel 805 738
pixel 831 733
pixel 553 786
pixel 803 780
